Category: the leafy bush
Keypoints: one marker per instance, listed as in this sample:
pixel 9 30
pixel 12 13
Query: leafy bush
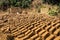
pixel 58 9
pixel 25 3
pixel 52 2
pixel 16 3
pixel 52 13
pixel 4 4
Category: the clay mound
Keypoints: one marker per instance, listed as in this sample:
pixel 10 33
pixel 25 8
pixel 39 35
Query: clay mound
pixel 31 26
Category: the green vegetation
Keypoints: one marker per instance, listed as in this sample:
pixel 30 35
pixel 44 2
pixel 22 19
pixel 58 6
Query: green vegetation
pixel 52 12
pixel 58 9
pixel 20 3
pixel 4 4
pixel 53 2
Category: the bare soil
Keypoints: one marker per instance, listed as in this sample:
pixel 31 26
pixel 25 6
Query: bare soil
pixel 29 27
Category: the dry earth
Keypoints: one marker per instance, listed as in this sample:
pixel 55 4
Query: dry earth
pixel 29 27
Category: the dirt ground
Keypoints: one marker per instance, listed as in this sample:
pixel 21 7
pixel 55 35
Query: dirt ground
pixel 29 24
pixel 29 27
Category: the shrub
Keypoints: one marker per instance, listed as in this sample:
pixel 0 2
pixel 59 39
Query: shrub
pixel 16 3
pixel 24 3
pixel 4 4
pixel 12 2
pixel 52 2
pixel 21 3
pixel 58 9
pixel 52 13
